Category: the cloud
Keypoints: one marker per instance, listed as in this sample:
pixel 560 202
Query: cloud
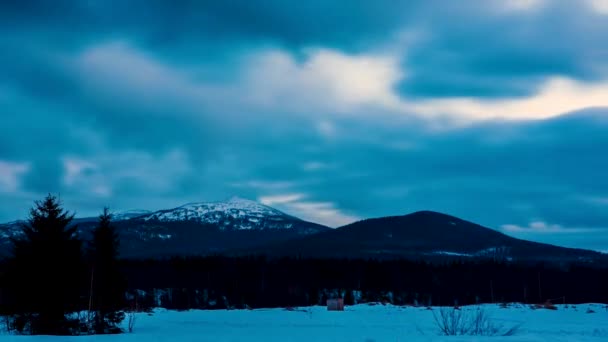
pixel 557 96
pixel 10 175
pixel 523 5
pixel 483 51
pixel 448 69
pixel 326 79
pixel 119 73
pixel 127 169
pixel 313 166
pixel 541 227
pixel 599 200
pixel 320 212
pixel 330 81
pixel 280 199
pixel 576 237
pixel 601 6
pixel 122 72
pixel 165 24
pixel 474 49
pixel 264 185
pixel 75 168
pixel 326 128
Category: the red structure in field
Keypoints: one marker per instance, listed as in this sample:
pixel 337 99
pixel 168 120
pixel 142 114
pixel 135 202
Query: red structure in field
pixel 335 304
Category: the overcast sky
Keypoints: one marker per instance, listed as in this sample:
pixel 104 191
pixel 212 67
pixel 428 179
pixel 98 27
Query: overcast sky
pixel 332 111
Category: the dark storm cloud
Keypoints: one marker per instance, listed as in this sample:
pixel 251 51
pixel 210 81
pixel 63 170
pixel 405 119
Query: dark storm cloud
pixel 473 48
pixel 157 22
pixel 505 55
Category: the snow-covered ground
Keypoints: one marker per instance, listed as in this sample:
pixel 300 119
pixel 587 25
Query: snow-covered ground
pixel 363 323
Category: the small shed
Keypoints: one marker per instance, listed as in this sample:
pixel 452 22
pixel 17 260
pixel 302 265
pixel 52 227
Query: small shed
pixel 335 304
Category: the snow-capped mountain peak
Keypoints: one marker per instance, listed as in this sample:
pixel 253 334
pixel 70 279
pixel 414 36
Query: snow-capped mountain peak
pixel 235 213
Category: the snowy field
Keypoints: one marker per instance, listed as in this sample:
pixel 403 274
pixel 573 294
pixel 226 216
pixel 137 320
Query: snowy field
pixel 364 323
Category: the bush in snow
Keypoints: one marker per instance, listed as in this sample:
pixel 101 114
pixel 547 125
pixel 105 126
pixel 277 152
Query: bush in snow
pixel 454 322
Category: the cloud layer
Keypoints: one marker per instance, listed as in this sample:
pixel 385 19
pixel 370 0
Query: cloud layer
pixel 329 110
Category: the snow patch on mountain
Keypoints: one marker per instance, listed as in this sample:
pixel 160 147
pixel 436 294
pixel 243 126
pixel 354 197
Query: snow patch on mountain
pixel 11 229
pixel 129 214
pixel 452 253
pixel 236 213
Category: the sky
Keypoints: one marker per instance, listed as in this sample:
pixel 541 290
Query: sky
pixel 332 111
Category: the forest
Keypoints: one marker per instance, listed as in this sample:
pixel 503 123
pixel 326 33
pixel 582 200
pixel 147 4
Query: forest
pixel 218 282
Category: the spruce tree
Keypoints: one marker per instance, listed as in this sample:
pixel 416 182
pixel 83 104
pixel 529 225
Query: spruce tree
pixel 46 271
pixel 107 295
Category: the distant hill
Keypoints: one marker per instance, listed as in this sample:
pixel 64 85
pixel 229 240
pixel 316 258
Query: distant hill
pixel 425 235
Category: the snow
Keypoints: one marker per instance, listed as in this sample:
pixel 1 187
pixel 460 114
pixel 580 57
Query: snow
pixel 452 253
pixel 237 212
pixel 11 229
pixel 129 214
pixel 484 252
pixel 358 323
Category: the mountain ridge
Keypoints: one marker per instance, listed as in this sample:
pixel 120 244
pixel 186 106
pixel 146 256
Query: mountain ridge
pixel 244 227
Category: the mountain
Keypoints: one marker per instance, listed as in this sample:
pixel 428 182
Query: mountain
pixel 425 235
pixel 234 214
pixel 192 229
pixel 243 227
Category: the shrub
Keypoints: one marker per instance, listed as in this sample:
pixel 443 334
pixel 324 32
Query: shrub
pixel 454 322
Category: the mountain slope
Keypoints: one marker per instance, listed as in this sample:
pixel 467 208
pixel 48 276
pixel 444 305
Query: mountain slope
pixel 209 228
pixel 424 235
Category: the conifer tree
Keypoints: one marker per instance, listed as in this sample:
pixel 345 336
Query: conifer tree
pixel 107 284
pixel 46 270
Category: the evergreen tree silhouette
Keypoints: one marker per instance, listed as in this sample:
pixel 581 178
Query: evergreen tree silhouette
pixel 46 271
pixel 108 288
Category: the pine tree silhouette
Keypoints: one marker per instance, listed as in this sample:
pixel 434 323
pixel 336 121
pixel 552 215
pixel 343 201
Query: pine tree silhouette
pixel 108 288
pixel 46 271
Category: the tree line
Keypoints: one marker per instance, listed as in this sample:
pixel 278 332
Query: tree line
pixel 221 282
